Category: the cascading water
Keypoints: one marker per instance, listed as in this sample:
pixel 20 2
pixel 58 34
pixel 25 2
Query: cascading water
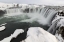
pixel 13 10
pixel 48 15
pixel 43 10
pixel 42 15
pixel 57 28
pixel 53 27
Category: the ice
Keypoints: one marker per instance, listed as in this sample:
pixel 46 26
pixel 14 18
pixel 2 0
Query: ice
pixel 59 38
pixel 2 27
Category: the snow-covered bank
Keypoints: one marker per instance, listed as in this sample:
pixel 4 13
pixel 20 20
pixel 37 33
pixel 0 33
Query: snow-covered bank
pixel 37 34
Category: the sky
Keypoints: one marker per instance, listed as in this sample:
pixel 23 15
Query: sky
pixel 43 2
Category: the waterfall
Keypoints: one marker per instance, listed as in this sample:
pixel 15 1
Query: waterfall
pixel 48 15
pixel 13 10
pixel 51 15
pixel 32 10
pixel 42 15
pixel 20 10
pixel 40 18
pixel 43 10
pixel 53 27
pixel 38 10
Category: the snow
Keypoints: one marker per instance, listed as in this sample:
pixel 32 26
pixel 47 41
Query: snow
pixel 3 6
pixel 57 17
pixel 60 22
pixel 17 32
pixel 2 27
pixel 59 38
pixel 37 34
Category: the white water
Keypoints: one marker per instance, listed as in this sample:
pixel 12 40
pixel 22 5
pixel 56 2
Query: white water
pixel 41 18
pixel 14 10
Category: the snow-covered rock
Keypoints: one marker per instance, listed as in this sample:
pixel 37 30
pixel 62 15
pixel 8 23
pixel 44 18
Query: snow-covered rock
pixel 37 34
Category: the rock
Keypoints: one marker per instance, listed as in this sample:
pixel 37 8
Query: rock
pixel 37 34
pixel 2 12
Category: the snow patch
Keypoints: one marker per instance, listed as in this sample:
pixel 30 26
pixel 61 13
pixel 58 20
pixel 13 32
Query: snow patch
pixel 2 27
